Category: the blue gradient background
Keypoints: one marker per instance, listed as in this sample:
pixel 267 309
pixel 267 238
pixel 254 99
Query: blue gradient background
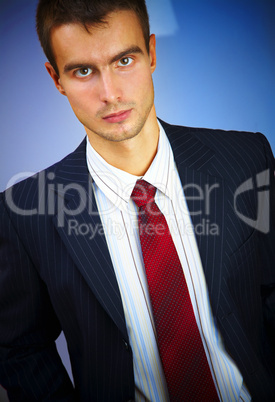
pixel 216 68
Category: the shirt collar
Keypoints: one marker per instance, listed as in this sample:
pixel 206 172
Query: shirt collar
pixel 117 185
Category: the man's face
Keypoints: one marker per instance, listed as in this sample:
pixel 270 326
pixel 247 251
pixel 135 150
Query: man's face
pixel 106 74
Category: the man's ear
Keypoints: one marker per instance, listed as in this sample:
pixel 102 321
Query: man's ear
pixel 55 77
pixel 152 52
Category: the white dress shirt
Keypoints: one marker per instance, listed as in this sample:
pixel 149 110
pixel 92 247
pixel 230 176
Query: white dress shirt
pixel 113 188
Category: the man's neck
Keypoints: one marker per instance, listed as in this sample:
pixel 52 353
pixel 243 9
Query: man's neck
pixel 134 155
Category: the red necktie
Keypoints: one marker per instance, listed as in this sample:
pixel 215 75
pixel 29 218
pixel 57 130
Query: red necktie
pixel 181 350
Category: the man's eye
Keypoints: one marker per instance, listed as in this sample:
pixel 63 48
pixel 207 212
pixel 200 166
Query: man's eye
pixel 125 61
pixel 83 72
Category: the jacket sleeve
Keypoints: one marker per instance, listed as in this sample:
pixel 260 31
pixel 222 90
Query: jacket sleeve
pixel 30 367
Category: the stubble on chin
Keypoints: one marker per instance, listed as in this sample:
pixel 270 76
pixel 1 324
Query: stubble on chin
pixel 120 133
pixel 124 130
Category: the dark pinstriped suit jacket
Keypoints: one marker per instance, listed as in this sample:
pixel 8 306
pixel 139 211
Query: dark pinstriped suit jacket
pixel 54 278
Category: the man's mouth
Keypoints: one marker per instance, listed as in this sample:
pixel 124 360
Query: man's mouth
pixel 118 116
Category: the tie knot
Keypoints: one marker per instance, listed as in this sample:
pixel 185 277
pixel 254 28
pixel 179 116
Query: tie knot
pixel 143 193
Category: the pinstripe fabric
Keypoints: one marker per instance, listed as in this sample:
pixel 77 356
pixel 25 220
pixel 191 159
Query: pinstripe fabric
pixel 217 158
pixel 113 188
pixel 54 275
pixel 45 288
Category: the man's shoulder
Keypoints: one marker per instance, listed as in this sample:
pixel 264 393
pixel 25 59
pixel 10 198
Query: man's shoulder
pixel 213 137
pixel 230 154
pixel 232 144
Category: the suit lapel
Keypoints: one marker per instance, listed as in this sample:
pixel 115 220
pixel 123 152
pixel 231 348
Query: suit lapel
pixel 79 226
pixel 204 193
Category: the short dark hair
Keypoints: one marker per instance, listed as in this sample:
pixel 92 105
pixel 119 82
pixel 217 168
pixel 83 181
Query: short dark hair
pixel 53 13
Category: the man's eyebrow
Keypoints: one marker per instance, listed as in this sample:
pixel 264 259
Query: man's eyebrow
pixel 133 49
pixel 72 66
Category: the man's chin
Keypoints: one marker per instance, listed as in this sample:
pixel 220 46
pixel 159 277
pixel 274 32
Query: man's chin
pixel 119 132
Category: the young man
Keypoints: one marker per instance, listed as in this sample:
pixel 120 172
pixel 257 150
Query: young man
pixel 172 305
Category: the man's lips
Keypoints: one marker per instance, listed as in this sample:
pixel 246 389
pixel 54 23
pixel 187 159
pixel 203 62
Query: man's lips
pixel 117 117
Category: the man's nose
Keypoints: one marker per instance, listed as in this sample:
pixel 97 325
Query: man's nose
pixel 110 88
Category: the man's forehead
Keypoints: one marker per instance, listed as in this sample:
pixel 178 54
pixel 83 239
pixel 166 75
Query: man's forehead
pixel 122 19
pixel 72 42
